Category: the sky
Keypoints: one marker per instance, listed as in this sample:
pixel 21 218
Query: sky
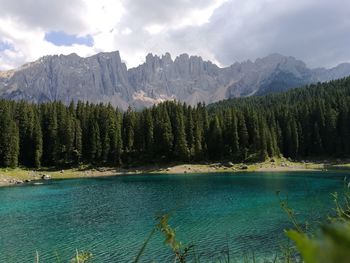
pixel 223 31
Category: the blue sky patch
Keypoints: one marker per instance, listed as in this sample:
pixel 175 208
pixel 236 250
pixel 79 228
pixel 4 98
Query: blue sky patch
pixel 60 38
pixel 4 45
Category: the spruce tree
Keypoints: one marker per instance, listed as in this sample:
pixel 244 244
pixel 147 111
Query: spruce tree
pixel 149 133
pixel 215 143
pixel 77 143
pixel 234 138
pixel 9 138
pixel 198 138
pixel 129 129
pixel 181 151
pixel 190 132
pixel 37 142
pixel 243 137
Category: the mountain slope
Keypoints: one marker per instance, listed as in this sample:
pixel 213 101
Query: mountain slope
pixel 105 78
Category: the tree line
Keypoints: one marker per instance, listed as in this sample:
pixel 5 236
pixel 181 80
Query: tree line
pixel 313 121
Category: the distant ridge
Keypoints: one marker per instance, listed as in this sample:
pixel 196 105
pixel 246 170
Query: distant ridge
pixel 105 78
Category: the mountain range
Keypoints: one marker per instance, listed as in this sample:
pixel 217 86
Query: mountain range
pixel 105 78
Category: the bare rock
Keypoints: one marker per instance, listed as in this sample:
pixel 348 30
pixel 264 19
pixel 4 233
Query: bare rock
pixel 228 164
pixel 105 78
pixel 46 177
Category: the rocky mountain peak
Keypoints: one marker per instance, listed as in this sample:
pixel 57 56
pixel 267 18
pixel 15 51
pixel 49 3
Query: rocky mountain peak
pixel 167 58
pixel 105 78
pixel 183 57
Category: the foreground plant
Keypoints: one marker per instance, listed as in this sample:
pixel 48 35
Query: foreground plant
pixel 178 249
pixel 81 257
pixel 332 243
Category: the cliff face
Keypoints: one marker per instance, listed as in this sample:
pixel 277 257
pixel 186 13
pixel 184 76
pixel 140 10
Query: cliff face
pixel 188 79
pixel 105 78
pixel 102 77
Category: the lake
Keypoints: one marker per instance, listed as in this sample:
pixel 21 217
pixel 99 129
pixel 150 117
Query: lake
pixel 111 217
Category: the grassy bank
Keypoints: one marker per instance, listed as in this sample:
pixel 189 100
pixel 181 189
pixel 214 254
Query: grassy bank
pixel 22 175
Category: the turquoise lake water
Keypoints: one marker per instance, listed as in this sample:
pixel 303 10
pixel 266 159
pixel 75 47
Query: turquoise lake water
pixel 111 217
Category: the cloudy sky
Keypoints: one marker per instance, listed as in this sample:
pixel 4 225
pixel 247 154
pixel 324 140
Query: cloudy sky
pixel 223 31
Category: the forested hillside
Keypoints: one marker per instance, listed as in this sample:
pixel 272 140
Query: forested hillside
pixel 307 122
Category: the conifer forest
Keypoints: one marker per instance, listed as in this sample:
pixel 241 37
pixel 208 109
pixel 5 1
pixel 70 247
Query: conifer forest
pixel 308 122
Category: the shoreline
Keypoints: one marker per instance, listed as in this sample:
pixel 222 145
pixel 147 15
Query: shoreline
pixel 20 176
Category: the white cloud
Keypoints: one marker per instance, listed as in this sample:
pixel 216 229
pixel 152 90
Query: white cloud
pixel 46 14
pixel 132 26
pixel 126 31
pixel 29 45
pixel 102 16
pixel 222 31
pixel 199 17
pixel 154 29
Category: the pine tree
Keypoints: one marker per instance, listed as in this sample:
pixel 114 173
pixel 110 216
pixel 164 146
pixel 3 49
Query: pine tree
pixel 37 142
pixel 24 117
pixel 50 139
pixel 77 142
pixel 330 131
pixel 11 146
pixel 164 136
pixel 115 137
pixel 149 133
pixel 181 151
pixel 190 132
pixel 291 139
pixel 118 139
pixel 243 137
pixel 203 113
pixel 65 134
pixel 316 147
pixel 9 138
pixel 215 144
pixel 198 138
pixel 343 132
pixel 234 138
pixel 95 148
pixel 105 121
pixel 129 129
pixel 227 133
pixel 263 134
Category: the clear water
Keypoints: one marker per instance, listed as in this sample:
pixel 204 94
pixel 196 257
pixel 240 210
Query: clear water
pixel 111 217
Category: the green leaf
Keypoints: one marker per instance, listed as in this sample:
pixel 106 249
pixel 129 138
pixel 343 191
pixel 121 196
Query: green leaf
pixel 307 247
